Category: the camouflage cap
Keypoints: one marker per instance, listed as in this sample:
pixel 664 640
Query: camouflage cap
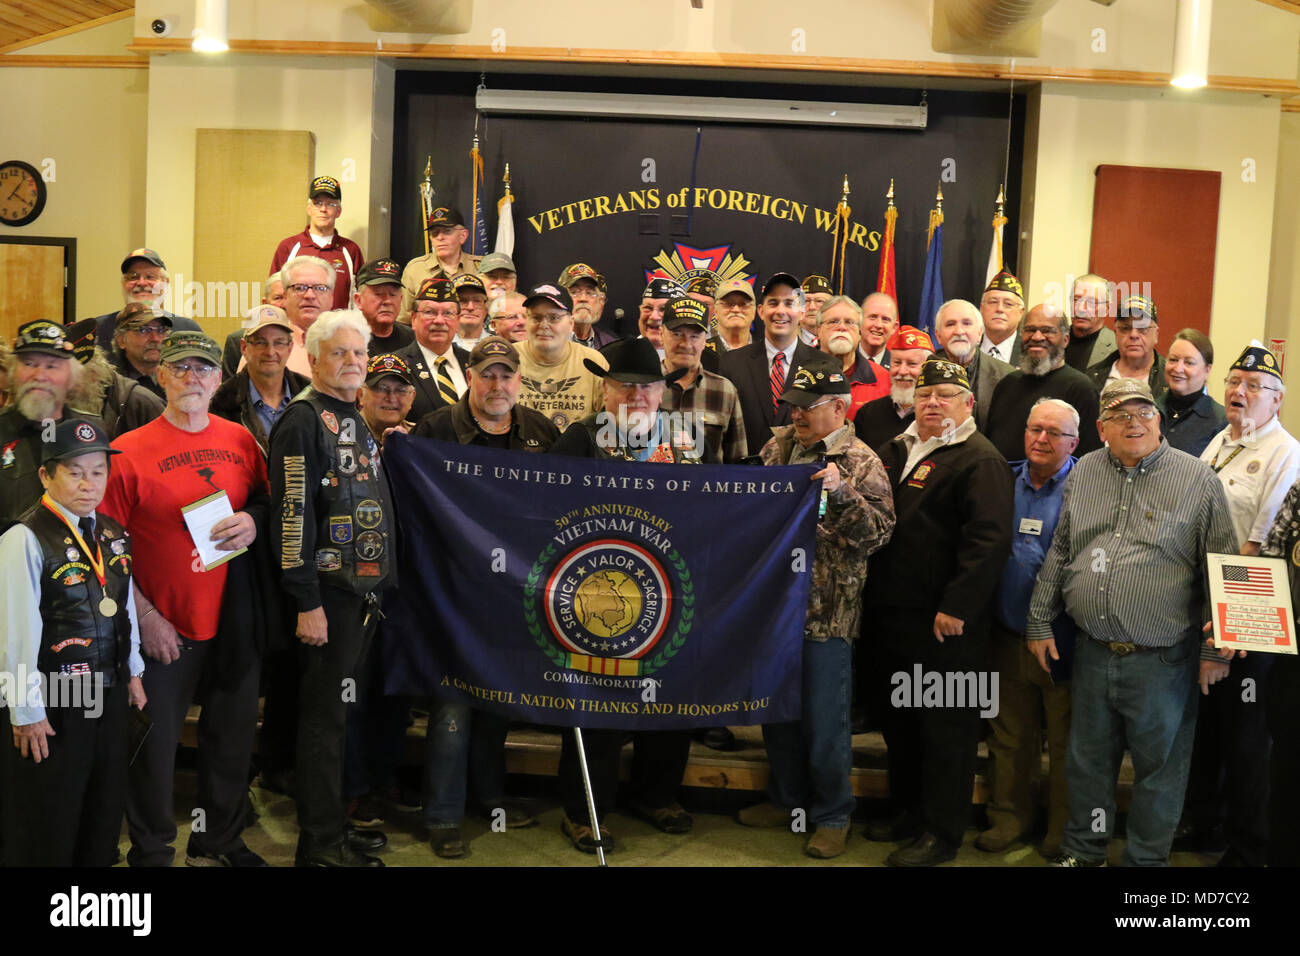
pixel 1117 391
pixel 580 270
pixel 183 345
pixel 134 315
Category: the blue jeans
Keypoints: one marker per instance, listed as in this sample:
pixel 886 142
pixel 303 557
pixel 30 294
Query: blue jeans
pixel 1145 701
pixel 462 745
pixel 810 760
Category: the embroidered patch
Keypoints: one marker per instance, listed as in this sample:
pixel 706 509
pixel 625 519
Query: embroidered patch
pixel 79 641
pixel 1253 467
pixel 367 569
pixel 369 514
pixel 370 545
pixel 331 422
pixel 341 529
pixel 328 559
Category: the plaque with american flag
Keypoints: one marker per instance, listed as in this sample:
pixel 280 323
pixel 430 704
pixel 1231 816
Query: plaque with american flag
pixel 1251 600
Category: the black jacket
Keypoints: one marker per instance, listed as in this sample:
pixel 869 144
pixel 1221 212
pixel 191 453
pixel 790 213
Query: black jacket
pixel 1100 371
pixel 128 405
pixel 749 371
pixel 952 535
pixel 427 396
pixel 1015 397
pixel 232 403
pixel 877 422
pixel 530 430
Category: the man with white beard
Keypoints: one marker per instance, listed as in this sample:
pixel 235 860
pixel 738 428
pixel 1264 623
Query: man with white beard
pixel 144 279
pixel 42 371
pixel 839 328
pixel 1043 333
pixel 959 327
pixel 882 419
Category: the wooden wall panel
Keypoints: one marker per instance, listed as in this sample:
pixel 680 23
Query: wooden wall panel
pixel 250 191
pixel 1159 226
pixel 31 285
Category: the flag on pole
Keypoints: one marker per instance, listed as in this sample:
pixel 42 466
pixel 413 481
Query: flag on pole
pixel 886 281
pixel 478 241
pixel 841 239
pixel 932 285
pixel 505 220
pixel 426 201
pixel 996 262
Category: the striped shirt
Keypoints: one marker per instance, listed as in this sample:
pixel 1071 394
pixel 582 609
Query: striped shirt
pixel 1127 562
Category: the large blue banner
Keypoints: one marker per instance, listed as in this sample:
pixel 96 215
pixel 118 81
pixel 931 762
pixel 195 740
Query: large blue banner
pixel 599 593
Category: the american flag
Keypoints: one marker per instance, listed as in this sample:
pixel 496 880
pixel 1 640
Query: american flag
pixel 1242 580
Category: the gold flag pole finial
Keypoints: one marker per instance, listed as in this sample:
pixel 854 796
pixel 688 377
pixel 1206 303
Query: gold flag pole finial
pixel 844 191
pixel 1001 200
pixel 428 168
pixel 938 198
pixel 890 195
pixel 506 179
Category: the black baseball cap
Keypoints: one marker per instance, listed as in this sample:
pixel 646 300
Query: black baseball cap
pixel 814 380
pixel 148 255
pixel 74 438
pixel 379 272
pixel 325 186
pixel 445 218
pixel 383 366
pixel 43 336
pixel 780 278
pixel 556 295
pixel 686 311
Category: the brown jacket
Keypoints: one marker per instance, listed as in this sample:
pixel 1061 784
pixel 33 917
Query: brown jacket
pixel 858 522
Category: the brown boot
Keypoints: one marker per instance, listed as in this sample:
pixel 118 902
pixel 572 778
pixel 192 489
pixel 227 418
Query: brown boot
pixel 827 842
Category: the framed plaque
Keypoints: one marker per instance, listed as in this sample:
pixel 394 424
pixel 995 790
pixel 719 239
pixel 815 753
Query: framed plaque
pixel 1251 604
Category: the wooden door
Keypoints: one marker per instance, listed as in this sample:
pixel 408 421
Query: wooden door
pixel 32 283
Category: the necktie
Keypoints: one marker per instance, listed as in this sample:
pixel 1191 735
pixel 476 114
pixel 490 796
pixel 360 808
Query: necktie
pixel 778 380
pixel 446 387
pixel 87 526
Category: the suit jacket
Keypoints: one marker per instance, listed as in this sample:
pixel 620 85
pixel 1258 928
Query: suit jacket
pixel 984 373
pixel 427 396
pixel 1016 349
pixel 1102 346
pixel 748 370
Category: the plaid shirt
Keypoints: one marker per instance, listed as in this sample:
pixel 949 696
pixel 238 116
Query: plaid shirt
pixel 715 400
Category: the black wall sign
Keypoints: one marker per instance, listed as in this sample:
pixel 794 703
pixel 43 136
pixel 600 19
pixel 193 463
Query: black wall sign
pixel 629 196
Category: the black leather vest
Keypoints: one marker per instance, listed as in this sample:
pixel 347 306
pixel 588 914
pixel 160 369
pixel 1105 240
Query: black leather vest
pixel 354 540
pixel 76 637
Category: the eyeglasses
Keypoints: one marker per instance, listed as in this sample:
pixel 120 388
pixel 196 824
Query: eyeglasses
pixel 942 398
pixel 845 323
pixel 326 204
pixel 1052 434
pixel 809 408
pixel 391 391
pixel 741 306
pixel 1252 388
pixel 142 277
pixel 1145 413
pixel 302 288
pixel 264 344
pixel 158 331
pixel 202 369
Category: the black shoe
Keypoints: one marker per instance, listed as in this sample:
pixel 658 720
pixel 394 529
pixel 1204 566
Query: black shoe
pixel 925 850
pixel 902 826
pixel 1189 838
pixel 365 813
pixel 364 841
pixel 447 842
pixel 717 738
pixel 277 781
pixel 403 799
pixel 338 855
pixel 241 856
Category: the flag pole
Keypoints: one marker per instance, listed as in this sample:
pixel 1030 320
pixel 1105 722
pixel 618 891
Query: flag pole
pixel 426 201
pixel 842 212
pixel 591 800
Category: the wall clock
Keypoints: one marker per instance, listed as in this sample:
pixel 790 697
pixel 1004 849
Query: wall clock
pixel 22 193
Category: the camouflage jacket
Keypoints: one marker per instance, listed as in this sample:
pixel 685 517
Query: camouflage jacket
pixel 858 522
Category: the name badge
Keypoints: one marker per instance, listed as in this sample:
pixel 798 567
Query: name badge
pixel 1031 526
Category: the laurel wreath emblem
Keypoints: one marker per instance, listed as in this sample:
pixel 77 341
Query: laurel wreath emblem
pixel 676 639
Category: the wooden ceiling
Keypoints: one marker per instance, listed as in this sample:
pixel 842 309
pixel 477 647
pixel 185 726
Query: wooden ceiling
pixel 24 22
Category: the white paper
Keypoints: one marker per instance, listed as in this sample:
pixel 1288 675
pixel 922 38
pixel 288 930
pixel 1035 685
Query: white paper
pixel 200 517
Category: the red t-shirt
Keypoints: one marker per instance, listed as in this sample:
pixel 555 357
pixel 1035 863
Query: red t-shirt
pixel 161 469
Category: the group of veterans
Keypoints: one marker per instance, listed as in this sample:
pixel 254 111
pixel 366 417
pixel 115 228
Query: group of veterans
pixel 1028 495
